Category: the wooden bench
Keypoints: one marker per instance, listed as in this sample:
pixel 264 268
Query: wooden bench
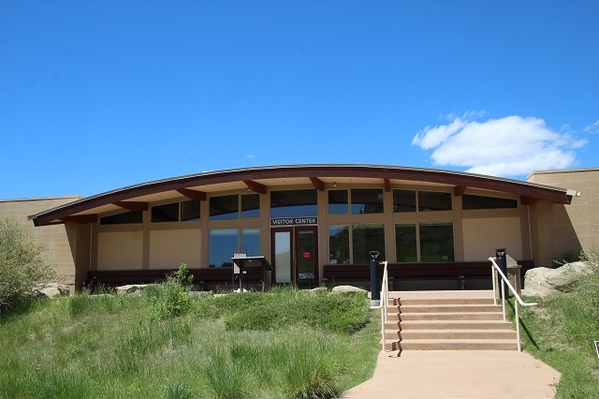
pixel 460 272
pixel 208 278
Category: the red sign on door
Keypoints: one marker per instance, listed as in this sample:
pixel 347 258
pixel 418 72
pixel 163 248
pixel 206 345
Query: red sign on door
pixel 307 255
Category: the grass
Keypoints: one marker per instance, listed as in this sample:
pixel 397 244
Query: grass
pixel 560 331
pixel 283 344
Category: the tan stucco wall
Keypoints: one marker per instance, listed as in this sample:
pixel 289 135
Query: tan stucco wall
pixel 120 250
pixel 170 248
pixel 58 239
pixel 483 235
pixel 560 228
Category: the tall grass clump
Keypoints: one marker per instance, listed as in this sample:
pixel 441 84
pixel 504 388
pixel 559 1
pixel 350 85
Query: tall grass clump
pixel 115 346
pixel 562 329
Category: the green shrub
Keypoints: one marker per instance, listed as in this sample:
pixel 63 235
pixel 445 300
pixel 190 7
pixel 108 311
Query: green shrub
pixel 21 264
pixel 568 257
pixel 171 298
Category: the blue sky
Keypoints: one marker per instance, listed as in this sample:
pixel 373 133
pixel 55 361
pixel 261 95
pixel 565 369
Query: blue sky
pixel 97 95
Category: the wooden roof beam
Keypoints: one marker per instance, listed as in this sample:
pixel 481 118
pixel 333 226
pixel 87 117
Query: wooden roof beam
pixel 192 194
pixel 81 219
pixel 528 200
pixel 255 186
pixel 387 185
pixel 317 183
pixel 132 205
pixel 458 191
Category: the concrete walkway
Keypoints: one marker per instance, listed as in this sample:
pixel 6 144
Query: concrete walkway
pixel 458 374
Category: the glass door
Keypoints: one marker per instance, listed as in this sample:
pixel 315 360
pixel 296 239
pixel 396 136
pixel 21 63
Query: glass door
pixel 282 254
pixel 295 255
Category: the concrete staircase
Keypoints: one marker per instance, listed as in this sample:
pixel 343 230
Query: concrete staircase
pixel 447 320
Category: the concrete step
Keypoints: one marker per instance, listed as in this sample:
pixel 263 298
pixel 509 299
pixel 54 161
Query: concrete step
pixel 447 320
pixel 444 308
pixel 451 325
pixel 446 316
pixel 451 334
pixel 440 301
pixel 454 344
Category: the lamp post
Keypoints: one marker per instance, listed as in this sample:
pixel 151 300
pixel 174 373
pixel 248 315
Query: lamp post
pixel 375 291
pixel 500 259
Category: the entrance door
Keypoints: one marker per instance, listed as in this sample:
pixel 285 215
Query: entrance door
pixel 295 255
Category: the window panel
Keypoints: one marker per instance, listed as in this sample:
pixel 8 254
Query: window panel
pixel 470 202
pixel 366 238
pixel 132 217
pixel 366 201
pixel 436 242
pixel 250 206
pixel 405 242
pixel 338 202
pixel 339 244
pixel 224 208
pixel 434 201
pixel 293 203
pixel 250 242
pixel 223 244
pixel 404 201
pixel 165 213
pixel 190 210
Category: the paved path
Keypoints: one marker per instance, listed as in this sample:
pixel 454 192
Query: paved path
pixel 458 374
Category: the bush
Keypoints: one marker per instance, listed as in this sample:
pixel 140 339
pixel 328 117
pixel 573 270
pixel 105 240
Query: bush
pixel 21 264
pixel 171 298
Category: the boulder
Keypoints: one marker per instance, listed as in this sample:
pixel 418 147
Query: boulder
pixel 131 288
pixel 542 281
pixel 347 289
pixel 52 290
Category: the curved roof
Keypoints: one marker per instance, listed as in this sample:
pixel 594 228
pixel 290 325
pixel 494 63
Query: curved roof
pixel 259 179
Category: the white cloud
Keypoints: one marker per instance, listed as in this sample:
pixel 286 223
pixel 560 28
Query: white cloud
pixel 508 146
pixel 594 128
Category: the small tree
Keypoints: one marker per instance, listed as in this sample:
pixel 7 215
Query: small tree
pixel 21 263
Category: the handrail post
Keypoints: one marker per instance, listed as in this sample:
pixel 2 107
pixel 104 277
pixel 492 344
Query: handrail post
pixel 503 300
pixel 518 327
pixel 518 301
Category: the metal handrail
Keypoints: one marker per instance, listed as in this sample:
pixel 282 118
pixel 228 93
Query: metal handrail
pixel 494 270
pixel 384 302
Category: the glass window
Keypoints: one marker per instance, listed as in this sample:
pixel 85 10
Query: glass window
pixel 436 242
pixel 405 242
pixel 338 202
pixel 339 244
pixel 190 210
pixel 123 218
pixel 480 202
pixel 250 242
pixel 434 201
pixel 165 213
pixel 250 206
pixel 366 238
pixel 366 200
pixel 223 244
pixel 404 201
pixel 293 203
pixel 224 208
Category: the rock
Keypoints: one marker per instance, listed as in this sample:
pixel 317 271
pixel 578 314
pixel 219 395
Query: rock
pixel 131 288
pixel 52 290
pixel 317 290
pixel 542 281
pixel 347 289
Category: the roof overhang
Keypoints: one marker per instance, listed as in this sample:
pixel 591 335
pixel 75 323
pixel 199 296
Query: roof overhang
pixel 259 179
